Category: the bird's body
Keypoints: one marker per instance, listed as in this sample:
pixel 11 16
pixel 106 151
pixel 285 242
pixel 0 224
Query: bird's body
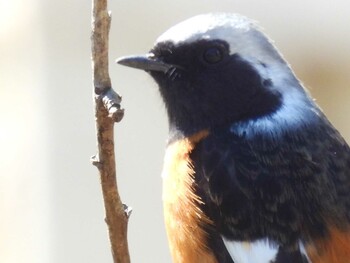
pixel 253 172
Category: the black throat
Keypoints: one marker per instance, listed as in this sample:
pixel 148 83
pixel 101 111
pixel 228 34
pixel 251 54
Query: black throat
pixel 200 97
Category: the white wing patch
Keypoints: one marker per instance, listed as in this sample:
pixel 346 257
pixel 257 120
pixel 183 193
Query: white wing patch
pixel 260 251
pixel 303 251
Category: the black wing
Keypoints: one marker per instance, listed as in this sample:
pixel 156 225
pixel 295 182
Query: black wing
pixel 286 189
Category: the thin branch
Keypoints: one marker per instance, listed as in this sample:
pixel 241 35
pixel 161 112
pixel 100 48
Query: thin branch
pixel 107 111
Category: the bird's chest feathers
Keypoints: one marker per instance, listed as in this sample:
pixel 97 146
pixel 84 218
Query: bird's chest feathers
pixel 182 213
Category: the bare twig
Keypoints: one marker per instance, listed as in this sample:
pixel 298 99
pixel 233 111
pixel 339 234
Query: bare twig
pixel 107 111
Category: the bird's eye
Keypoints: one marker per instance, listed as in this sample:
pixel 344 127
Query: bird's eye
pixel 213 55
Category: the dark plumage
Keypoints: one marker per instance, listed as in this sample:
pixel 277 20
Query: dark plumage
pixel 254 170
pixel 195 75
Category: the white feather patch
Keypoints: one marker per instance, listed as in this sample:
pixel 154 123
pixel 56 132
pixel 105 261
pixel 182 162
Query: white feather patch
pixel 303 251
pixel 260 251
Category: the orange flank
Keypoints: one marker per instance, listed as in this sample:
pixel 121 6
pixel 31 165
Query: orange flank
pixel 182 213
pixel 334 248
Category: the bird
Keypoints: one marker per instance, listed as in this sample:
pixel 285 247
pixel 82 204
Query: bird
pixel 254 172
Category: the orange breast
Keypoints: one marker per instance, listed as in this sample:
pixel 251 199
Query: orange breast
pixel 182 213
pixel 335 248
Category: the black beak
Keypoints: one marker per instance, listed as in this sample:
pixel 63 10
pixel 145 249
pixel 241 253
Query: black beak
pixel 146 62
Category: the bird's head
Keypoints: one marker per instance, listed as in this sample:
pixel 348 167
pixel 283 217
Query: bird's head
pixel 216 69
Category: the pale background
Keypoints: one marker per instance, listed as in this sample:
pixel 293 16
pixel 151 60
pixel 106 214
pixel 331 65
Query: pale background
pixel 50 201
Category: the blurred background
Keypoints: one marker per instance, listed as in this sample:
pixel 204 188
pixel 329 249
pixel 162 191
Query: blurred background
pixel 50 199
